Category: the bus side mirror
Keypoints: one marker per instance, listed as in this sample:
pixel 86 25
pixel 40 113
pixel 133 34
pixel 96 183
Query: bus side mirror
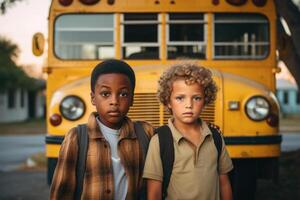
pixel 38 44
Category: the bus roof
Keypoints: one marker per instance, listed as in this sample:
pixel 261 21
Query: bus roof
pixel 137 6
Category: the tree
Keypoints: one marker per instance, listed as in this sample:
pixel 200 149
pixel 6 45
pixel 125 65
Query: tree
pixel 4 4
pixel 289 45
pixel 11 75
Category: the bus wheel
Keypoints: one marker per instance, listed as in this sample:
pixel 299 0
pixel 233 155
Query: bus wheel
pixel 243 179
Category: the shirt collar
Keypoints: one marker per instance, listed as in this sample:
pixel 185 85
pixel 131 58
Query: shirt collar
pixel 126 131
pixel 93 126
pixel 106 129
pixel 205 129
pixel 177 136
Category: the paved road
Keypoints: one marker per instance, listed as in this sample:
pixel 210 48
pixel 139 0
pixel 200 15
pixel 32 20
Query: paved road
pixel 23 185
pixel 14 150
pixel 290 142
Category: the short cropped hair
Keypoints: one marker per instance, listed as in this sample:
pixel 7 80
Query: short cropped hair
pixel 191 73
pixel 112 66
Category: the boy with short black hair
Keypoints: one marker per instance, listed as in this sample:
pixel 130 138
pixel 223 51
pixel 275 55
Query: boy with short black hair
pixel 114 160
pixel 199 168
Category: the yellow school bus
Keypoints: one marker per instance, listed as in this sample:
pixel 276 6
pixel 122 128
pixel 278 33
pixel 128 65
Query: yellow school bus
pixel 236 39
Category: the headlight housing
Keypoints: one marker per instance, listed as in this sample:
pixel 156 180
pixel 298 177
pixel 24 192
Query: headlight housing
pixel 257 108
pixel 72 107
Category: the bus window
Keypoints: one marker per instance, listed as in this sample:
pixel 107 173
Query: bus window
pixel 241 36
pixel 186 35
pixel 140 36
pixel 84 36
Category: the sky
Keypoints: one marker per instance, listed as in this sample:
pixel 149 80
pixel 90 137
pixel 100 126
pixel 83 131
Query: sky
pixel 20 23
pixel 25 18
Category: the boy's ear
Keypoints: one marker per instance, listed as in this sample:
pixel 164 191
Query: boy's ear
pixel 93 98
pixel 169 105
pixel 169 108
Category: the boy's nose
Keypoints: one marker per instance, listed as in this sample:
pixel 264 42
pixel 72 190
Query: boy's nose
pixel 188 104
pixel 114 100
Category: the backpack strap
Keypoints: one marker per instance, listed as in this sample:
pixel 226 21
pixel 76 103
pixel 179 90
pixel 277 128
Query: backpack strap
pixel 142 137
pixel 216 134
pixel 144 140
pixel 82 136
pixel 166 154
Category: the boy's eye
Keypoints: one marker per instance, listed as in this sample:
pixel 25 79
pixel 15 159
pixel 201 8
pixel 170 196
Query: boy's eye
pixel 179 98
pixel 198 98
pixel 105 94
pixel 123 94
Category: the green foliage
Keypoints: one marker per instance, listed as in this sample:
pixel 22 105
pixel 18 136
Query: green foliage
pixel 11 75
pixel 4 4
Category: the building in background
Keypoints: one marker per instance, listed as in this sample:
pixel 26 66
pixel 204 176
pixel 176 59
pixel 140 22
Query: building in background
pixel 21 104
pixel 289 97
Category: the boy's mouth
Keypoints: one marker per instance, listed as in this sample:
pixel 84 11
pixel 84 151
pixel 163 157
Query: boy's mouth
pixel 188 113
pixel 114 113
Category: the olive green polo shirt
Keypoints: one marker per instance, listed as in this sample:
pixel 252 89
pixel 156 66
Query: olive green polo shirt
pixel 195 174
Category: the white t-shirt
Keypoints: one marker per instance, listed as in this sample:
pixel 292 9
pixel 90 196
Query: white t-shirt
pixel 120 178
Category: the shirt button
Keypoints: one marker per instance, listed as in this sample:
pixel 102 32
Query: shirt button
pixel 108 191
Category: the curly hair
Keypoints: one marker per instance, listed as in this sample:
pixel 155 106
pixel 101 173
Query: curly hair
pixel 191 73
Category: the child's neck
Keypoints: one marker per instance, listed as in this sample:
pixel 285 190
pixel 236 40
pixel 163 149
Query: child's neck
pixel 116 126
pixel 190 129
pixel 187 126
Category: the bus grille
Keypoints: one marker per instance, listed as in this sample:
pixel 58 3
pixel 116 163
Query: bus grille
pixel 147 108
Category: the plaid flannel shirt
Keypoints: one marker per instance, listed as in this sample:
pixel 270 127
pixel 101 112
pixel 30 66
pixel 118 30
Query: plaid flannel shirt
pixel 98 178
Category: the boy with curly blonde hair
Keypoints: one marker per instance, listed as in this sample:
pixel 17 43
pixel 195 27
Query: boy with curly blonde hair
pixel 199 170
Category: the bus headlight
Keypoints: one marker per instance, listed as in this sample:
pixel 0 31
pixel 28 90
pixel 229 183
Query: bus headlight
pixel 72 107
pixel 257 108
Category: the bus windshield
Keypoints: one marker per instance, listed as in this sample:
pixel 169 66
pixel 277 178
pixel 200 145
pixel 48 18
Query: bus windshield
pixel 241 36
pixel 140 36
pixel 84 36
pixel 186 35
pixel 92 36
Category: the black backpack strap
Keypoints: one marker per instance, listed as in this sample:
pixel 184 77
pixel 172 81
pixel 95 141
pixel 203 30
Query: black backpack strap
pixel 142 137
pixel 82 136
pixel 166 155
pixel 144 140
pixel 216 134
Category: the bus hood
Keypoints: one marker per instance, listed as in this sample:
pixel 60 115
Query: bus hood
pixel 231 88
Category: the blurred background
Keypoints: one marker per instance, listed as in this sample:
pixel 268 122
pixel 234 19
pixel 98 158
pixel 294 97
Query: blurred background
pixel 23 104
